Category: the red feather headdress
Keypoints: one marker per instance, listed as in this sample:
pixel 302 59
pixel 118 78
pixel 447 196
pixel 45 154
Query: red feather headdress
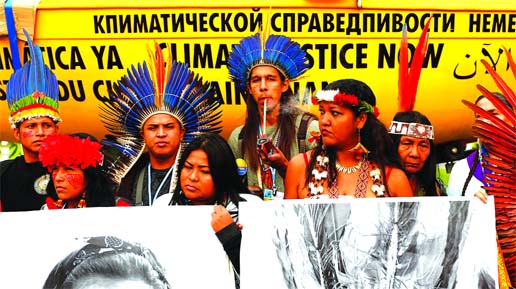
pixel 408 80
pixel 70 151
pixel 499 139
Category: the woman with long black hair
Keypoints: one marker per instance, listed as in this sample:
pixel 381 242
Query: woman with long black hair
pixel 355 155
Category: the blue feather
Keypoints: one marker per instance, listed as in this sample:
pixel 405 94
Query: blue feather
pixel 132 101
pixel 31 77
pixel 280 51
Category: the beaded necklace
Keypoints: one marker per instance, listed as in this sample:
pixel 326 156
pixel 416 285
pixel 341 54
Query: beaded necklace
pixel 347 170
pixel 320 177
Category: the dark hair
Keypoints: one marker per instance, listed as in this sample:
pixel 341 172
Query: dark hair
pixel 286 125
pixel 99 191
pixel 373 135
pixel 498 95
pixel 426 177
pixel 107 257
pixel 223 169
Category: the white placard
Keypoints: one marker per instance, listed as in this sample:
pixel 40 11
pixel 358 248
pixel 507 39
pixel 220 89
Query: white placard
pixel 181 237
pixel 430 242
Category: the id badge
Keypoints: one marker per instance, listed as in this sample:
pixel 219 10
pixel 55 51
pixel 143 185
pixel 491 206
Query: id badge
pixel 268 194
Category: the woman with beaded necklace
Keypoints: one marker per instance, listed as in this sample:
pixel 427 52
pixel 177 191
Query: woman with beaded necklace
pixel 354 156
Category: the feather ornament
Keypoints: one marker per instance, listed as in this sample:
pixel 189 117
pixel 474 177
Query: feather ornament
pixel 408 79
pixel 263 48
pixel 403 73
pixel 150 88
pixel 510 60
pixel 32 90
pixel 499 138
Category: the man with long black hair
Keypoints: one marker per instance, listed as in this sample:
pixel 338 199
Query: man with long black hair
pixel 275 129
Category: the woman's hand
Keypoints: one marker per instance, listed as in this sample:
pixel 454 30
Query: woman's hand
pixel 220 218
pixel 481 195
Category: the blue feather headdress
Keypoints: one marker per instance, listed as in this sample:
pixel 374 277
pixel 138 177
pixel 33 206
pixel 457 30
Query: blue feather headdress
pixel 159 87
pixel 32 90
pixel 277 51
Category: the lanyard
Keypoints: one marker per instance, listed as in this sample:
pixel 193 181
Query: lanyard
pixel 272 170
pixel 149 183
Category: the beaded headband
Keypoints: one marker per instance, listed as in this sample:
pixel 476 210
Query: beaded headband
pixel 32 90
pixel 412 129
pixel 70 151
pixel 344 99
pixel 102 247
pixel 408 79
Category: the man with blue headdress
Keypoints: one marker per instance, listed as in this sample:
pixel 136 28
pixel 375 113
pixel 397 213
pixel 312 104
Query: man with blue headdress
pixel 33 99
pixel 153 112
pixel 262 67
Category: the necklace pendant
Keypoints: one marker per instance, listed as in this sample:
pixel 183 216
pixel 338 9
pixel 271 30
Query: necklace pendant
pixel 347 170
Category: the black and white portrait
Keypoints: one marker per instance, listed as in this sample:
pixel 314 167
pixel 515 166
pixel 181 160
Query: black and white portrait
pixel 108 262
pixel 370 243
pixel 171 247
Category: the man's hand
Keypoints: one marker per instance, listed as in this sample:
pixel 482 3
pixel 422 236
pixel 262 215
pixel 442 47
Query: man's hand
pixel 276 159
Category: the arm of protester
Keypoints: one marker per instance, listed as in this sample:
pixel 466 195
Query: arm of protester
pixel 220 218
pixel 276 159
pixel 398 184
pixel 481 195
pixel 295 176
pixel 228 233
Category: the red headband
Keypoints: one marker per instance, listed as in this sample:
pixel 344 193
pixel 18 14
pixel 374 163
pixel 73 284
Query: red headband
pixel 344 99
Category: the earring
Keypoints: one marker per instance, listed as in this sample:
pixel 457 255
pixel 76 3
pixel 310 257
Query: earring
pixel 359 149
pixel 82 202
pixel 58 203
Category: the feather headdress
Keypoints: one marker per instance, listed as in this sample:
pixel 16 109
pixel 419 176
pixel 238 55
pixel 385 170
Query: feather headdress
pixel 499 139
pixel 159 87
pixel 32 90
pixel 408 80
pixel 277 51
pixel 57 150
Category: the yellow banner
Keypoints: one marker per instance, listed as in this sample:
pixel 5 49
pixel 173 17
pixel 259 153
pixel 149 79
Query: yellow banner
pixel 89 49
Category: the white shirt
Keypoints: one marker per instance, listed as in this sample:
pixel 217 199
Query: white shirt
pixel 458 176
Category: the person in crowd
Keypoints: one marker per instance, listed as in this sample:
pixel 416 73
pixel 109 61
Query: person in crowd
pixel 494 128
pixel 77 178
pixel 413 134
pixel 108 262
pixel 33 98
pixel 208 175
pixel 152 113
pixel 410 130
pixel 467 175
pixel 275 129
pixel 355 155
